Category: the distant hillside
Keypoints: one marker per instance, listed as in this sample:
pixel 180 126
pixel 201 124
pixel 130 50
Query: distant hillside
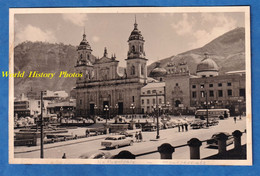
pixel 228 51
pixel 44 57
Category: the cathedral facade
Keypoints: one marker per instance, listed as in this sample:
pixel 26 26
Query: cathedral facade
pixel 103 86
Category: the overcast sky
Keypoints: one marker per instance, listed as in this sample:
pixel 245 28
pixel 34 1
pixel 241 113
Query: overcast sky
pixel 165 34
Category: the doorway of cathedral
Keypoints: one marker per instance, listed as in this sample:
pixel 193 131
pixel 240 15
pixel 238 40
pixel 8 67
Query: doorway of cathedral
pixel 120 108
pixel 177 102
pixel 91 109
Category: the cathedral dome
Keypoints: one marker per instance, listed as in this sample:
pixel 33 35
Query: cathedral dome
pixel 207 65
pixel 158 71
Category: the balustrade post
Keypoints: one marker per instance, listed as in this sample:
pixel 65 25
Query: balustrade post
pixel 222 143
pixel 237 139
pixel 166 151
pixel 124 155
pixel 194 145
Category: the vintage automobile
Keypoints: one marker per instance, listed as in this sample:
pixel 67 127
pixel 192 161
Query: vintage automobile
pixel 212 142
pixel 197 124
pixel 117 141
pixel 152 126
pixel 213 122
pixel 149 127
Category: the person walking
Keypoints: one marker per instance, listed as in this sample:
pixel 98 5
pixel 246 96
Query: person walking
pixel 140 136
pixel 179 128
pixel 235 119
pixel 182 127
pixel 137 137
pixel 186 126
pixel 87 132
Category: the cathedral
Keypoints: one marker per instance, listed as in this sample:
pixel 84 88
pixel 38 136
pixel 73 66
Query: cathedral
pixel 102 85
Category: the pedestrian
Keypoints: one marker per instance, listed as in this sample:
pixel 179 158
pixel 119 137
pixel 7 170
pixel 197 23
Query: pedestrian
pixel 182 127
pixel 225 115
pixel 186 127
pixel 140 136
pixel 87 132
pixel 235 119
pixel 179 128
pixel 137 137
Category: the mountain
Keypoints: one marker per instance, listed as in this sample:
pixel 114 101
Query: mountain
pixel 47 58
pixel 228 51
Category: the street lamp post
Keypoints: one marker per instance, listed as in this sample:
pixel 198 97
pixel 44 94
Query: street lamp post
pixel 42 133
pixel 106 109
pixel 207 114
pixel 95 109
pixel 133 109
pixel 158 111
pixel 116 108
pixel 239 102
pixel 168 107
pixel 111 112
pixel 61 109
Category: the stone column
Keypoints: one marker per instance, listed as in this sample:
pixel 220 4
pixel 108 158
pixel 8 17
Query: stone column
pixel 194 145
pixel 222 143
pixel 166 151
pixel 237 139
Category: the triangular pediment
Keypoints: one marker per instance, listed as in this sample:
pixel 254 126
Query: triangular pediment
pixel 105 60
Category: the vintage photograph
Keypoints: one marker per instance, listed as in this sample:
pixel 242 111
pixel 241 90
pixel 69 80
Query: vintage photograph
pixel 130 86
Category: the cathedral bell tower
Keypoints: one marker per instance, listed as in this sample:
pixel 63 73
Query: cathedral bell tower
pixel 84 65
pixel 136 61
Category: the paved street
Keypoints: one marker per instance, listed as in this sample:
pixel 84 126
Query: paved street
pixel 91 145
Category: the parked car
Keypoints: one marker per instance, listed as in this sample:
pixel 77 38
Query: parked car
pixel 152 126
pixel 212 142
pixel 117 141
pixel 197 124
pixel 149 127
pixel 213 122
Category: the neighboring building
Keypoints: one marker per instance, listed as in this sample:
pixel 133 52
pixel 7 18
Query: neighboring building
pixel 101 83
pixel 64 109
pixel 177 82
pixel 54 95
pixel 32 108
pixel 152 94
pixel 220 91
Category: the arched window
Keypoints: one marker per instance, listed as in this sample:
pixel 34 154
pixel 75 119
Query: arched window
pixel 142 70
pixel 88 57
pixel 133 70
pixel 141 48
pixel 81 56
pixel 133 48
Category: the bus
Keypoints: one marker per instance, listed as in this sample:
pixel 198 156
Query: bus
pixel 212 113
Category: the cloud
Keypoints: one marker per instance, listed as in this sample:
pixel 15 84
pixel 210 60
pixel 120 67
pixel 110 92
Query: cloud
pixel 95 39
pixel 184 26
pixel 76 19
pixel 32 33
pixel 217 24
